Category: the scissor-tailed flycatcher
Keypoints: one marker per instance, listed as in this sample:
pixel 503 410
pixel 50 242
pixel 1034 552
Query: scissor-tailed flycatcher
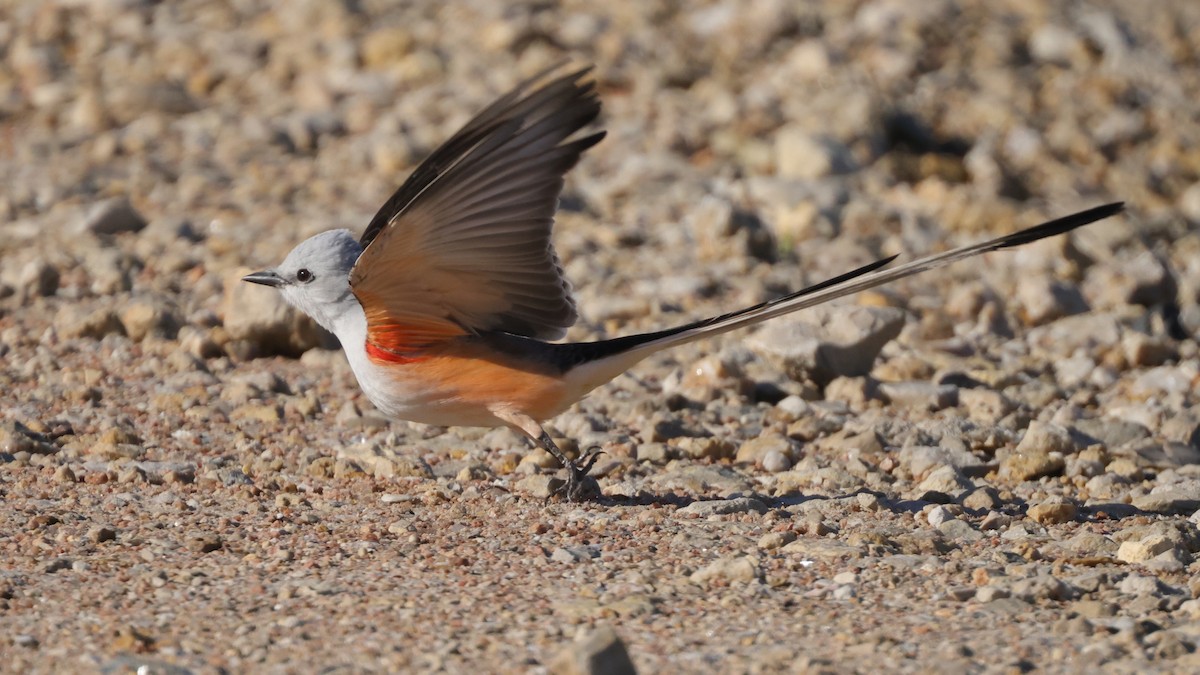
pixel 447 302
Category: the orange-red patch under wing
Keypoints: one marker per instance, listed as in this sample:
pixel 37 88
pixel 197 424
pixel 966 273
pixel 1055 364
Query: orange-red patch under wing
pixel 402 336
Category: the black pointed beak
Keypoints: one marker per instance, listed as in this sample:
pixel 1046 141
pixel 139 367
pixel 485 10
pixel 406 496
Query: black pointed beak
pixel 266 278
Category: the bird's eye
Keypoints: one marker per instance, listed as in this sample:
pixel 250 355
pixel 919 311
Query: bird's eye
pixel 303 275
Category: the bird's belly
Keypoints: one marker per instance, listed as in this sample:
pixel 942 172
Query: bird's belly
pixel 450 390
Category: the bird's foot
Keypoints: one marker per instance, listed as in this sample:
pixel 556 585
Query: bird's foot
pixel 580 487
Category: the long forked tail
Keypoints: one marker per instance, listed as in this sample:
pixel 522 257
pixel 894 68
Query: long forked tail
pixel 620 354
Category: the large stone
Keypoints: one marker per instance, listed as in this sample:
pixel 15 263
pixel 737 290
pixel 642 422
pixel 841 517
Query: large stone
pixel 1178 499
pixel 1040 452
pixel 741 569
pixel 259 317
pixel 828 341
pixel 114 216
pixel 595 652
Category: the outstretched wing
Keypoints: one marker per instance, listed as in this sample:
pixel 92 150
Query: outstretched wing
pixel 464 245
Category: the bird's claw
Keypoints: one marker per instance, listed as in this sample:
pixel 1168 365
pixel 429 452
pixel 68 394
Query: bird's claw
pixel 579 486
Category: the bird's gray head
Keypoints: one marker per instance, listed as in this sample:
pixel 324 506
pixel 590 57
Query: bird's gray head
pixel 315 276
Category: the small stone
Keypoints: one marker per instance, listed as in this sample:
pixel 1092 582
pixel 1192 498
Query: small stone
pixel 1144 350
pixel 1053 511
pixel 474 472
pixel 654 453
pixel 258 412
pixel 385 47
pixel 799 154
pixel 991 593
pixel 540 485
pixel 567 556
pixel 1051 43
pixel 961 593
pixel 828 341
pixel 148 316
pixel 115 216
pixel 741 569
pixel 1144 549
pixel 982 499
pixel 205 543
pixel 94 325
pixel 855 392
pixel 64 474
pixel 922 460
pixel 959 530
pixel 101 533
pixel 755 450
pixel 776 462
pixel 1044 299
pixel 26 641
pixel 985 405
pixel 845 578
pixel 56 565
pixel 38 278
pixel 1040 453
pixel 720 507
pixel 868 501
pixel 773 540
pixel 708 447
pixel 939 514
pixel 1042 587
pixel 1139 584
pixel 1178 499
pixel 947 480
pixel 1112 432
pixel 994 520
pixel 920 395
pixel 594 652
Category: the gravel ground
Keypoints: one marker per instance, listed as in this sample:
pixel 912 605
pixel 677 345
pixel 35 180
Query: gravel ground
pixel 989 468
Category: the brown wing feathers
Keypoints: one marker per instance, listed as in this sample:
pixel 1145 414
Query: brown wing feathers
pixel 463 246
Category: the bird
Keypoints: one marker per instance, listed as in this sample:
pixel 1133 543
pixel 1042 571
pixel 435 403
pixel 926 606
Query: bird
pixel 452 303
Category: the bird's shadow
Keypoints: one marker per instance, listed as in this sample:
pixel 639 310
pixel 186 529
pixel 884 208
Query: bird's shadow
pixel 1018 507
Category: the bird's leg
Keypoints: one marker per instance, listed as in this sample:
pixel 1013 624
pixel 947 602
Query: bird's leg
pixel 579 487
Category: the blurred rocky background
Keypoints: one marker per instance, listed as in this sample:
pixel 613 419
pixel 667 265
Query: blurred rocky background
pixel 1015 436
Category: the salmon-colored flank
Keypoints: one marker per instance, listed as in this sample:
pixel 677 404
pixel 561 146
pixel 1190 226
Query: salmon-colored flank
pixel 468 374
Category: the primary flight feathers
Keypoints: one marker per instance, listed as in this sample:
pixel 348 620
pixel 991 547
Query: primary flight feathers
pixel 464 245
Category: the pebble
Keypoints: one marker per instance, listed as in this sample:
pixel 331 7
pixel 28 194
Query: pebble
pixel 922 395
pixel 735 569
pixel 828 341
pixel 721 507
pixel 939 514
pixel 1043 300
pixel 987 594
pixel 1053 511
pixel 947 480
pixel 922 460
pixel 1141 550
pixel 539 486
pixel 1040 452
pixel 755 450
pixel 983 498
pixel 773 540
pixel 595 651
pixel 38 278
pixel 1181 499
pixel 101 533
pixel 114 216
